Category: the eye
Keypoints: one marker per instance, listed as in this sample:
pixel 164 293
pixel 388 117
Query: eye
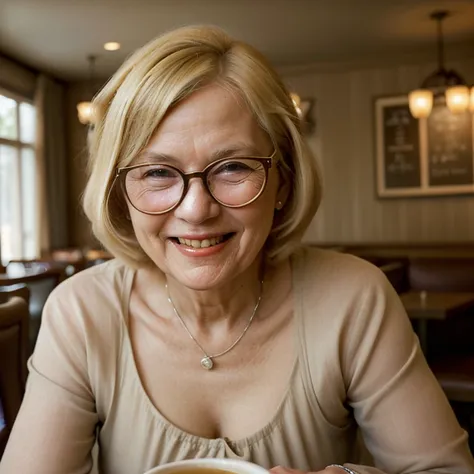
pixel 232 167
pixel 154 173
pixel 158 172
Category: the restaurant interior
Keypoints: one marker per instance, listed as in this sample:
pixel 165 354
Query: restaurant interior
pixel 385 92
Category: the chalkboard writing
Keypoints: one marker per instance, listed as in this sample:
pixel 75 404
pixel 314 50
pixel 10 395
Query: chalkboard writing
pixel 450 151
pixel 401 148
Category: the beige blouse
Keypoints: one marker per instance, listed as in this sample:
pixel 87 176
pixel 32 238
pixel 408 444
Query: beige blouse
pixel 359 364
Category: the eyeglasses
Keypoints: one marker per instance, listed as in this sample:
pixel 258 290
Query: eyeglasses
pixel 154 188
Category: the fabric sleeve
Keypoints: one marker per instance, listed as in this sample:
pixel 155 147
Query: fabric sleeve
pixel 55 429
pixel 406 421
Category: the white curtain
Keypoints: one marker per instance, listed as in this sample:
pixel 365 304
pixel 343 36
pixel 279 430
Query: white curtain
pixel 52 225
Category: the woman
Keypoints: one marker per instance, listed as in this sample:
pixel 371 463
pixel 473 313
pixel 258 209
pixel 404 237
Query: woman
pixel 211 334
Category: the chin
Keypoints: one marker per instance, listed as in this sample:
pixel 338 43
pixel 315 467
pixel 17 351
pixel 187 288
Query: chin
pixel 204 278
pixel 211 274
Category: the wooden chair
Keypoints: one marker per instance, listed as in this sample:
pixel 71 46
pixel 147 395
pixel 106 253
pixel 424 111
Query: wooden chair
pixel 19 289
pixel 13 357
pixel 41 279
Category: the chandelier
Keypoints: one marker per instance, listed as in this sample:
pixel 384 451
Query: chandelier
pixel 442 82
pixel 85 110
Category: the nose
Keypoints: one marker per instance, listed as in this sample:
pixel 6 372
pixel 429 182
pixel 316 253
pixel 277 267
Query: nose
pixel 197 205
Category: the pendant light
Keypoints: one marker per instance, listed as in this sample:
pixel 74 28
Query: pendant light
pixel 85 111
pixel 442 81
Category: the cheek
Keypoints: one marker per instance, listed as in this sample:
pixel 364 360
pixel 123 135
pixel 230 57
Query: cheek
pixel 258 217
pixel 146 227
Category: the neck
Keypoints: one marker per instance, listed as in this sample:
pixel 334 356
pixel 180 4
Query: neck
pixel 228 303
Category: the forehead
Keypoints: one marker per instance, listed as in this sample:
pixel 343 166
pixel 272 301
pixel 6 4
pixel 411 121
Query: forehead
pixel 212 121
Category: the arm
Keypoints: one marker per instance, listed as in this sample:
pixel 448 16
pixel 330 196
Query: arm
pixel 405 418
pixel 55 428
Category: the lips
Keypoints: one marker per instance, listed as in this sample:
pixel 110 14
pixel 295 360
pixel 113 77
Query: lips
pixel 202 243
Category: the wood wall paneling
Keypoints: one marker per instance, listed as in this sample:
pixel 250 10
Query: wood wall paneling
pixel 345 143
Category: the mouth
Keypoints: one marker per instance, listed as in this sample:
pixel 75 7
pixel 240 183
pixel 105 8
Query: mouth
pixel 204 243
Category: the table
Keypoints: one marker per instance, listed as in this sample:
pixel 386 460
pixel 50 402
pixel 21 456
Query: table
pixel 421 306
pixel 19 274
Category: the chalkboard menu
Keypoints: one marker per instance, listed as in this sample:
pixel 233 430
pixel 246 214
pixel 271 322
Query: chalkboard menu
pixel 401 148
pixel 423 157
pixel 450 151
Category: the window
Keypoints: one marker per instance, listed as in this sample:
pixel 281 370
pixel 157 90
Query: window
pixel 17 177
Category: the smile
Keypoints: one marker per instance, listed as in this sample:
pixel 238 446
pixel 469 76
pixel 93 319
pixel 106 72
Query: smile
pixel 205 243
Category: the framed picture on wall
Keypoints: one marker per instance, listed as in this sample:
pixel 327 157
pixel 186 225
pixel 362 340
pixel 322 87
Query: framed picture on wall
pixel 422 157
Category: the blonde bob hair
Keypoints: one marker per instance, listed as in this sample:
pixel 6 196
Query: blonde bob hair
pixel 156 78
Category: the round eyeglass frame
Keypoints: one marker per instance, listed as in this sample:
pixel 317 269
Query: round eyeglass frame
pixel 121 174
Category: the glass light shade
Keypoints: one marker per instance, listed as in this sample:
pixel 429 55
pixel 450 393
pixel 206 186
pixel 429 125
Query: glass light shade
pixel 420 102
pixel 112 46
pixel 85 112
pixel 471 102
pixel 457 99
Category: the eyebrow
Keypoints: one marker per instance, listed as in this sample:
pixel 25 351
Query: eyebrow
pixel 148 156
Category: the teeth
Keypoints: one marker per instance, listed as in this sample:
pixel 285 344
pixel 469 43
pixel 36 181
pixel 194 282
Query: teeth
pixel 201 244
pixel 205 243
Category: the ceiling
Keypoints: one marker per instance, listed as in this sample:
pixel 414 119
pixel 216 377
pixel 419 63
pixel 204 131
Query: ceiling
pixel 57 35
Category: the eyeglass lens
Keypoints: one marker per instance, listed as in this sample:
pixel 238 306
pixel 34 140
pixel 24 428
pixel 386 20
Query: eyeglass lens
pixel 158 187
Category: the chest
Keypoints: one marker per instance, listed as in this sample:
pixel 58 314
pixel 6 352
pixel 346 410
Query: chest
pixel 235 399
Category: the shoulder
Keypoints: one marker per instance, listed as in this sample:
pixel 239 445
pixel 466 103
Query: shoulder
pixel 336 291
pixel 87 297
pixel 339 270
pixel 83 317
pixel 348 306
pixel 82 330
pixel 105 279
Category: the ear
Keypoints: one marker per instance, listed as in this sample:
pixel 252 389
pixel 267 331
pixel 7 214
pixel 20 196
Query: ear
pixel 282 194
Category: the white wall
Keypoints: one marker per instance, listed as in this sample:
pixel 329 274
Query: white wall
pixel 344 141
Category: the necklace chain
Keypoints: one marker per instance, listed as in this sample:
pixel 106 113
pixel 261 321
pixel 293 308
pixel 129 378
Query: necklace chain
pixel 207 361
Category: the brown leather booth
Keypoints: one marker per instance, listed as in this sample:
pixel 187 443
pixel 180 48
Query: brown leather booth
pixel 441 274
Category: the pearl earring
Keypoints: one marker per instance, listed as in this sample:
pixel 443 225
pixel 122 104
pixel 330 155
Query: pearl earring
pixel 279 205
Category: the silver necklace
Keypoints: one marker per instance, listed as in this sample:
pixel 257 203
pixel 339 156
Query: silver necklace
pixel 207 361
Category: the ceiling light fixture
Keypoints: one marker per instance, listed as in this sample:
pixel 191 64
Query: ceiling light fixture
pixel 303 108
pixel 441 82
pixel 85 109
pixel 295 98
pixel 112 46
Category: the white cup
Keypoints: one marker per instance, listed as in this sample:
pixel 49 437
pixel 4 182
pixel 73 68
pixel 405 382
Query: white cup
pixel 232 465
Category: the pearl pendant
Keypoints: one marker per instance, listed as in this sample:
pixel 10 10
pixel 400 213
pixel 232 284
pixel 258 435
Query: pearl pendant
pixel 206 363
